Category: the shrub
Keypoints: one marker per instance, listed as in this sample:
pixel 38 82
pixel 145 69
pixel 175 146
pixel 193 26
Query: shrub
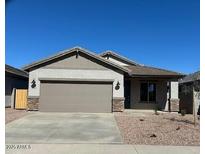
pixel 156 110
pixel 183 112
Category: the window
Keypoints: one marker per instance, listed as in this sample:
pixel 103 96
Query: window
pixel 148 92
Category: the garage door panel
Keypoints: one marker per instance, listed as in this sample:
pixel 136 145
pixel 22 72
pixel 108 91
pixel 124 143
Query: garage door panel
pixel 76 97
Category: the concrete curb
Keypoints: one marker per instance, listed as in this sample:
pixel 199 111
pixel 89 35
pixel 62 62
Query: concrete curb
pixel 98 149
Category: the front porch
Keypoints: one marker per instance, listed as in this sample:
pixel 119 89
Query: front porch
pixel 151 94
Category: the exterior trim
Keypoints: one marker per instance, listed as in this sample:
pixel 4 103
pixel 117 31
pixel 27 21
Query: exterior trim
pixel 158 76
pixel 75 80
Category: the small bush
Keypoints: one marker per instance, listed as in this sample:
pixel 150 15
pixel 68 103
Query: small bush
pixel 183 112
pixel 156 112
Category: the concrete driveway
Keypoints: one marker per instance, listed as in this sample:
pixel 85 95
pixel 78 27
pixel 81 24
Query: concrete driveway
pixel 40 127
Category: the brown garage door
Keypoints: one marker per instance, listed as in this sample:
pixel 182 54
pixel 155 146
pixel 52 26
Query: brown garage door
pixel 76 97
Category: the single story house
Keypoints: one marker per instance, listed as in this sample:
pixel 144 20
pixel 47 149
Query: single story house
pixel 78 80
pixel 189 92
pixel 14 79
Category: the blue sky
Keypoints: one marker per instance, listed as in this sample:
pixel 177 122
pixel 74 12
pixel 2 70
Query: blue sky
pixel 160 33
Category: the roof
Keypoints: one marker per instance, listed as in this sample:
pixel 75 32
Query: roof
pixel 137 69
pixel 114 54
pixel 141 71
pixel 191 77
pixel 71 50
pixel 132 70
pixel 16 71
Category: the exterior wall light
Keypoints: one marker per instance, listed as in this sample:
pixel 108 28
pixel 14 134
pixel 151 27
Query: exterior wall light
pixel 117 87
pixel 33 84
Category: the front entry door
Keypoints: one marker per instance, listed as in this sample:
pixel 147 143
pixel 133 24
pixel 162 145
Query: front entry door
pixel 127 94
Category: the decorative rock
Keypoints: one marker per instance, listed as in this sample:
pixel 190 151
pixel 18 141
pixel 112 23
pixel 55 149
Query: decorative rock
pixel 153 135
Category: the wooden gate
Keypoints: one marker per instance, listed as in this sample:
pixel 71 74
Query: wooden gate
pixel 21 99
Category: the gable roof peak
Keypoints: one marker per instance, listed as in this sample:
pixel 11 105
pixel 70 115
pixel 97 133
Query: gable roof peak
pixel 115 54
pixel 109 52
pixel 77 47
pixel 69 51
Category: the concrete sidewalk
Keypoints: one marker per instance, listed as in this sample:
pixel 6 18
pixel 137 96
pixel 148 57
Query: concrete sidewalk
pixel 100 149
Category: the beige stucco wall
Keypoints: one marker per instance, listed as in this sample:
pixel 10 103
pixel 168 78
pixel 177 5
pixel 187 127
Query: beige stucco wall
pixel 161 95
pixel 76 67
pixel 73 62
pixel 73 74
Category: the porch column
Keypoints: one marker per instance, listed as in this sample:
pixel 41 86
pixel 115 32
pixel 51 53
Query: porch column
pixel 173 96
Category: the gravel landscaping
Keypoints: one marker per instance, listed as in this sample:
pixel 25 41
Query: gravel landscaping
pixel 11 114
pixel 162 129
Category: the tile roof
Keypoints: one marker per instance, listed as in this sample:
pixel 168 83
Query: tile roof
pixel 141 70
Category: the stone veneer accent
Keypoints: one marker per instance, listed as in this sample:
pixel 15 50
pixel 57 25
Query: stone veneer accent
pixel 118 104
pixel 33 103
pixel 174 104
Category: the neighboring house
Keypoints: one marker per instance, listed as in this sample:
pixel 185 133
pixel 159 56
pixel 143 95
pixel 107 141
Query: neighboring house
pixel 77 80
pixel 189 91
pixel 14 79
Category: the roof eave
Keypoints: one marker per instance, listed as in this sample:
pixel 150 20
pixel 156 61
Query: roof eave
pixel 156 76
pixel 16 71
pixel 39 62
pixel 22 76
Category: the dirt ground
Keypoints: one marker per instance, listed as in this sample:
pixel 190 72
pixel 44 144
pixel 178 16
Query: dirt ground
pixel 162 129
pixel 12 114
